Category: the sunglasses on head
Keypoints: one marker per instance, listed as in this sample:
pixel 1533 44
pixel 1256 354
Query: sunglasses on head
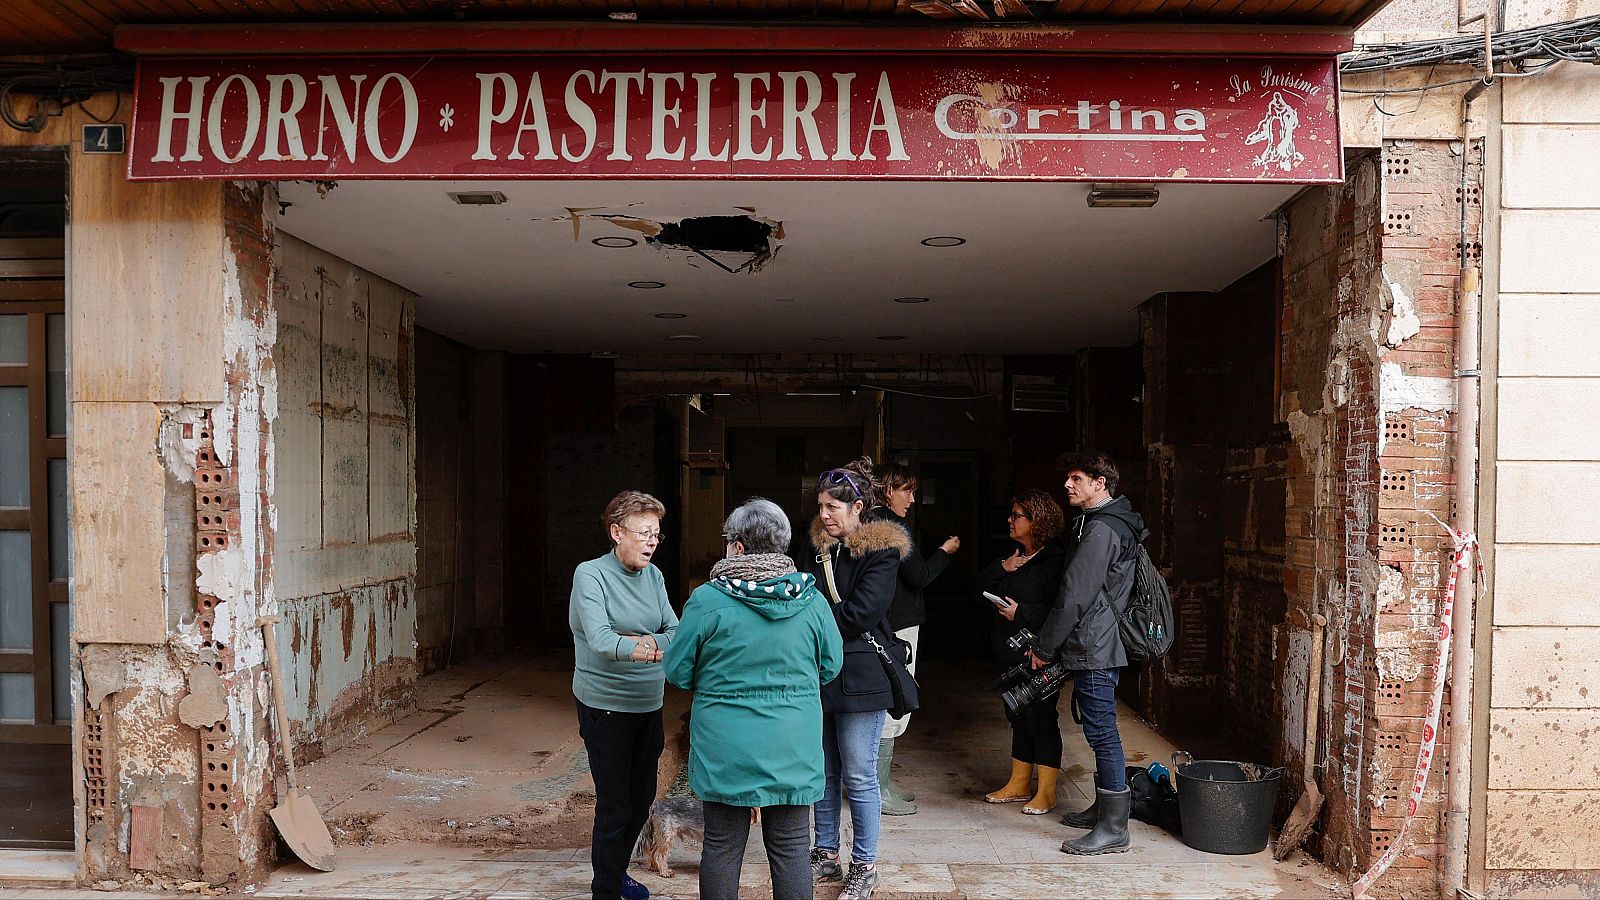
pixel 840 476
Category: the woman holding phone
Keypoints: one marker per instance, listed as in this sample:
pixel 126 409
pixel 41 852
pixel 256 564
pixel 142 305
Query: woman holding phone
pixel 1026 583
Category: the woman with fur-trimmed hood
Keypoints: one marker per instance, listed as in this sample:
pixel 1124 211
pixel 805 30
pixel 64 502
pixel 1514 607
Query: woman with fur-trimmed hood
pixel 865 557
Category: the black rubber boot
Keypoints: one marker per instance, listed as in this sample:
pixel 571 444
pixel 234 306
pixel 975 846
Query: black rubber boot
pixel 1110 834
pixel 1084 818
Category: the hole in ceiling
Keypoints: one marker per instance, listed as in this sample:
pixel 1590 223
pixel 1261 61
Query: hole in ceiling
pixel 743 243
pixel 614 242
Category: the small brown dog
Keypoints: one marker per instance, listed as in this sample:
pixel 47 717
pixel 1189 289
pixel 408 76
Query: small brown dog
pixel 671 818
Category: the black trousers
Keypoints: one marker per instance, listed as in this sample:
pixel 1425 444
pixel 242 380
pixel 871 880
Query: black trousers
pixel 786 832
pixel 624 749
pixel 1036 732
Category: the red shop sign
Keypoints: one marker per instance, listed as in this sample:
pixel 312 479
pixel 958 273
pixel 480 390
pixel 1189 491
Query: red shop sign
pixel 1254 119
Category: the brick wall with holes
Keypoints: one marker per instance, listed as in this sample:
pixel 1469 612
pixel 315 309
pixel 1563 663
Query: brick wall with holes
pixel 236 839
pixel 1425 207
pixel 1369 298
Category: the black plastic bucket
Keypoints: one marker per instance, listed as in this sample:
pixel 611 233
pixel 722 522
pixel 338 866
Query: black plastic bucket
pixel 1226 807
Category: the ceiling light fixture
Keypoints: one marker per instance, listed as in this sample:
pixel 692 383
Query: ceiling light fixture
pixel 614 242
pixel 943 241
pixel 911 299
pixel 647 285
pixel 1113 196
pixel 672 315
pixel 477 198
pixel 684 337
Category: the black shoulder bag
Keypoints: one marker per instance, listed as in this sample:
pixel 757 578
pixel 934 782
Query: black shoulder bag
pixel 902 685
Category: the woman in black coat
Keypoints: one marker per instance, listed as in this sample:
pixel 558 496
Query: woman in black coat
pixel 864 557
pixel 897 492
pixel 1028 580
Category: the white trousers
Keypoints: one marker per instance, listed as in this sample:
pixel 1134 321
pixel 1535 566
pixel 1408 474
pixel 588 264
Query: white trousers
pixel 893 728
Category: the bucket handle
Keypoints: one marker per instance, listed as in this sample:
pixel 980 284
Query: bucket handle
pixel 1187 758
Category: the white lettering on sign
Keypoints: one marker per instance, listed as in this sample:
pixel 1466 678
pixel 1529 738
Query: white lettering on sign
pixel 277 122
pixel 279 117
pixel 1110 121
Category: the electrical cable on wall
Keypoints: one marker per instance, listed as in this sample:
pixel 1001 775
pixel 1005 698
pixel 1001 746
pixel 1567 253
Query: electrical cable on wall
pixel 1574 41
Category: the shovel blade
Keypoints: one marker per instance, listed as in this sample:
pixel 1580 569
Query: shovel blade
pixel 302 828
pixel 1299 823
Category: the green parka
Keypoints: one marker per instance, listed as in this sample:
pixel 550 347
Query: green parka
pixel 756 654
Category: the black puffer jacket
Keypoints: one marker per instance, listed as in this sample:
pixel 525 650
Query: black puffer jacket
pixel 916 573
pixel 1081 629
pixel 865 568
pixel 1034 587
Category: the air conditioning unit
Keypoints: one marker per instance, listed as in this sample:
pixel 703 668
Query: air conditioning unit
pixel 1040 394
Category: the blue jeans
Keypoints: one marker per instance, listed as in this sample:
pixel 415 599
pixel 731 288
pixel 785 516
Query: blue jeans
pixel 1094 694
pixel 850 756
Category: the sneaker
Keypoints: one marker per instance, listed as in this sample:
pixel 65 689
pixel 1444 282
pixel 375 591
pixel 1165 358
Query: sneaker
pixel 825 865
pixel 633 890
pixel 859 883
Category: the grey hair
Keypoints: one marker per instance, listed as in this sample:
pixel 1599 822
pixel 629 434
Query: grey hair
pixel 760 525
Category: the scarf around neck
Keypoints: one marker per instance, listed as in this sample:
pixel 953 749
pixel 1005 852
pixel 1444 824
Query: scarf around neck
pixel 753 566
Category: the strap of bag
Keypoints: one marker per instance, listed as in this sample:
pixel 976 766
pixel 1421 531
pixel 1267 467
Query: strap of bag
pixel 826 558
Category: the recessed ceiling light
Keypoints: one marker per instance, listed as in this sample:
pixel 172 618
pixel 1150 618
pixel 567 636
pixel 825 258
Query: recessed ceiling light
pixel 684 337
pixel 891 337
pixel 943 241
pixel 478 198
pixel 615 242
pixel 647 285
pixel 911 299
pixel 672 315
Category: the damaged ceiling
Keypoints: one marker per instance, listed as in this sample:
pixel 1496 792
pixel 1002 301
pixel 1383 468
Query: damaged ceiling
pixel 825 267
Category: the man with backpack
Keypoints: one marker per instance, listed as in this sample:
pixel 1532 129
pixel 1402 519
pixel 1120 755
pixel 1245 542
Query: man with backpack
pixel 1083 632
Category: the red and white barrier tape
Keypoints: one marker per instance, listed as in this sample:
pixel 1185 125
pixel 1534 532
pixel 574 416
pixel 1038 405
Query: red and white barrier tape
pixel 1466 548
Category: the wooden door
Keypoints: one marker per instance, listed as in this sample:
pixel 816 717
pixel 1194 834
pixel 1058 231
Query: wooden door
pixel 35 702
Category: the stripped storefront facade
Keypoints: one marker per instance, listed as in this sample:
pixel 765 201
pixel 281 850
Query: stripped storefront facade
pixel 245 437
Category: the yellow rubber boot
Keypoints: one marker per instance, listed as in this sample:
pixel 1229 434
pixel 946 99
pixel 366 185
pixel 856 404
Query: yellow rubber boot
pixel 1018 789
pixel 1045 799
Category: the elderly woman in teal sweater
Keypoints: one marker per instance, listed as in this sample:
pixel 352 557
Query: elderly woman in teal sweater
pixel 755 645
pixel 621 625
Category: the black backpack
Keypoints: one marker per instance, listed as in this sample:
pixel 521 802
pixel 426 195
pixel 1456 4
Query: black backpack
pixel 1148 626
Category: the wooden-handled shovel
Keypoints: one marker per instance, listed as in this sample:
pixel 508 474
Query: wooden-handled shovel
pixel 1298 825
pixel 296 814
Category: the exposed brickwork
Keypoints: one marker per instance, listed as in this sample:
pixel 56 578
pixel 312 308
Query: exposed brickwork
pixel 232 472
pixel 1329 399
pixel 1370 278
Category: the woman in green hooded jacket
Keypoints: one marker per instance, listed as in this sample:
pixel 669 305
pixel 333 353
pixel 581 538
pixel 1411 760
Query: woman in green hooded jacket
pixel 755 644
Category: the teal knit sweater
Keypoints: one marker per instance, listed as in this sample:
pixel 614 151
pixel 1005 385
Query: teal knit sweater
pixel 609 601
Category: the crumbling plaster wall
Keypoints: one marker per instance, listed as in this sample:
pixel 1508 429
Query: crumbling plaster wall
pixel 171 388
pixel 1370 273
pixel 346 552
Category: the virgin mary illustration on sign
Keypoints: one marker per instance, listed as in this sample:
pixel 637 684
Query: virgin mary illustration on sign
pixel 1277 130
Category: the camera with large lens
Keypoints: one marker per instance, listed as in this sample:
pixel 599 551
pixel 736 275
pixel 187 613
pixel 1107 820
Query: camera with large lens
pixel 1021 684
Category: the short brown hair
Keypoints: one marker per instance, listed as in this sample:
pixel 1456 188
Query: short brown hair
pixel 1095 464
pixel 1044 512
pixel 630 503
pixel 892 475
